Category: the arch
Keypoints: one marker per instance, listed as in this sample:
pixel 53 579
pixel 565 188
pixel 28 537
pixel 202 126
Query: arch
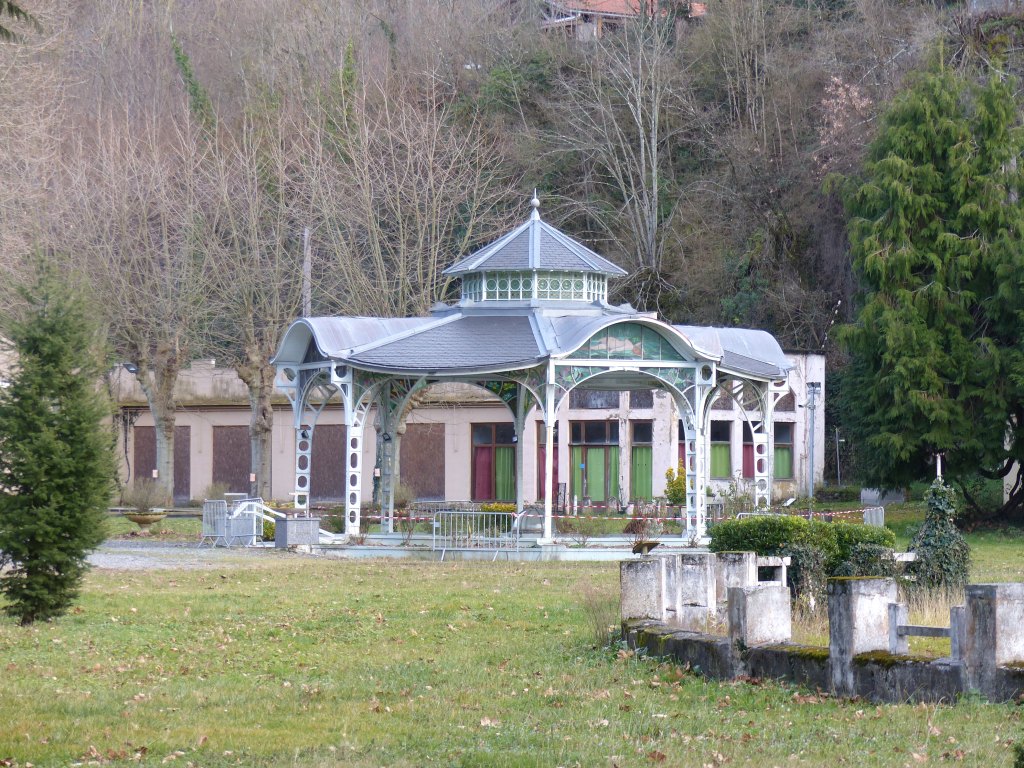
pixel 684 347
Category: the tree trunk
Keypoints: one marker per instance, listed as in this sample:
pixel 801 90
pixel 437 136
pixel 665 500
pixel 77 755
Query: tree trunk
pixel 157 379
pixel 258 375
pixel 261 429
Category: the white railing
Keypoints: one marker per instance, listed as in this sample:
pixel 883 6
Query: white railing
pixel 239 523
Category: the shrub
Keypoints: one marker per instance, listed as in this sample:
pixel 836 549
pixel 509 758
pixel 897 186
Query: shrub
pixel 851 536
pixel 943 556
pixel 269 529
pixel 57 461
pixel 675 486
pixel 144 495
pixel 216 491
pixel 766 535
pixel 837 493
pixel 816 549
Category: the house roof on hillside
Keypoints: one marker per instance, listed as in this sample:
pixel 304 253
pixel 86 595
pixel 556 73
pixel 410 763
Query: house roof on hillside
pixel 624 8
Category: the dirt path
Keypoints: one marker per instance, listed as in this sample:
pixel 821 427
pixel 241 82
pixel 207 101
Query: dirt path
pixel 117 554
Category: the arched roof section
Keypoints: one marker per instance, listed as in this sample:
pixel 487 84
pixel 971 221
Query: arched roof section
pixel 571 333
pixel 336 337
pixel 742 351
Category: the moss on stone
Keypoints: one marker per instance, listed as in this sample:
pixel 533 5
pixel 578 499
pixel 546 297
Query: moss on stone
pixel 888 660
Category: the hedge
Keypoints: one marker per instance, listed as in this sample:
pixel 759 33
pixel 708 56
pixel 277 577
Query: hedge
pixel 817 549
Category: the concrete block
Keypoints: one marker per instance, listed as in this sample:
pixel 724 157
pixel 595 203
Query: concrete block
pixel 899 613
pixel 994 633
pixel 673 587
pixel 295 531
pixel 858 622
pixel 875 516
pixel 734 569
pixel 760 615
pixel 642 588
pixel 778 566
pixel 698 602
pixel 957 632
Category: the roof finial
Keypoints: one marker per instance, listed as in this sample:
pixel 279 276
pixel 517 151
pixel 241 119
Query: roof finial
pixel 535 202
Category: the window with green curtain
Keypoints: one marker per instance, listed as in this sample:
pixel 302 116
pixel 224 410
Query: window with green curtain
pixel 613 472
pixel 596 474
pixel 505 473
pixel 576 458
pixel 641 473
pixel 721 449
pixel 783 454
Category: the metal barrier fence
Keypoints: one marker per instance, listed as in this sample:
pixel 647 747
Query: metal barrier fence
pixel 475 530
pixel 223 527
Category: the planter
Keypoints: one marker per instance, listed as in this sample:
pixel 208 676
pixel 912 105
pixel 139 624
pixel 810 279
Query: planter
pixel 145 519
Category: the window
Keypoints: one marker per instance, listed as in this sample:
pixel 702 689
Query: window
pixel 641 473
pixel 594 451
pixel 594 399
pixel 641 398
pixel 494 462
pixel 721 448
pixel 748 452
pixel 783 455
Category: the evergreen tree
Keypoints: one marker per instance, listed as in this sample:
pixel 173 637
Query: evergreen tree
pixel 936 233
pixel 56 456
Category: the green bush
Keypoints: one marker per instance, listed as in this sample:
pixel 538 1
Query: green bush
pixel 943 556
pixel 268 530
pixel 767 535
pixel 816 549
pixel 850 536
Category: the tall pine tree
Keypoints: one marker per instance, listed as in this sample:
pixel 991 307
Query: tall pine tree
pixel 936 232
pixel 56 456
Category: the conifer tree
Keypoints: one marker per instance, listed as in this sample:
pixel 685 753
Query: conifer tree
pixel 56 456
pixel 936 232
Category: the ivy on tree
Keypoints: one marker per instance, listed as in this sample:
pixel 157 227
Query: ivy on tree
pixel 936 228
pixel 56 455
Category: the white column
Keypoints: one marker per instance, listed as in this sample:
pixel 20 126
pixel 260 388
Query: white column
pixel 549 449
pixel 353 475
pixel 303 461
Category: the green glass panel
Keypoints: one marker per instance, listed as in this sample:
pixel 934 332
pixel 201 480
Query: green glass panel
pixel 576 457
pixel 783 461
pixel 613 470
pixel 596 475
pixel 652 345
pixel 641 473
pixel 505 473
pixel 721 460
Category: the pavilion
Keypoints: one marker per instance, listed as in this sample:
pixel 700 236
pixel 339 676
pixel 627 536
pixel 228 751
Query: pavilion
pixel 533 323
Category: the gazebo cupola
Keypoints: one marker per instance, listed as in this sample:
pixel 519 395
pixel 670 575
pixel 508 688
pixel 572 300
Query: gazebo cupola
pixel 534 264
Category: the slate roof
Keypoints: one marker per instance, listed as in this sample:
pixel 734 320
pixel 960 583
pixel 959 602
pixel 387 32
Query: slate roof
pixel 535 245
pixel 459 343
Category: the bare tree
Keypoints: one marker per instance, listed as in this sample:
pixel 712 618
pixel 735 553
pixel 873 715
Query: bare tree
pixel 623 110
pixel 255 255
pixel 399 191
pixel 134 221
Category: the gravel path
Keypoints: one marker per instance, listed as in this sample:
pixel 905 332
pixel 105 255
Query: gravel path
pixel 124 555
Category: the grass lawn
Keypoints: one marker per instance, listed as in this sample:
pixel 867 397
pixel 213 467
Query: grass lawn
pixel 168 529
pixel 286 660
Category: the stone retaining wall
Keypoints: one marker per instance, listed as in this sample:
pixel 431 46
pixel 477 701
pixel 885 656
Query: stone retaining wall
pixel 669 606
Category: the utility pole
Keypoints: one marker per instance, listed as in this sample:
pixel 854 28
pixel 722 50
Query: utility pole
pixel 839 469
pixel 813 390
